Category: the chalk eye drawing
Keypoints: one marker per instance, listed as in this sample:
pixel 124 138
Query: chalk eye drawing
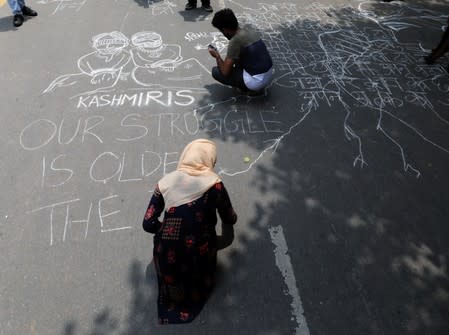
pixel 64 4
pixel 144 58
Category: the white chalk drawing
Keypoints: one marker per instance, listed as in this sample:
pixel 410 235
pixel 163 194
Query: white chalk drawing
pixel 284 265
pixel 152 56
pixel 162 7
pixel 100 69
pixel 353 60
pixel 68 222
pixel 116 58
pixel 149 52
pixel 347 62
pixel 401 17
pixel 3 219
pixel 64 4
pixel 218 40
pixel 158 7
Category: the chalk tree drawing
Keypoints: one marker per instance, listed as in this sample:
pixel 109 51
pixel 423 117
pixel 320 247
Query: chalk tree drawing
pixel 64 4
pixel 142 58
pixel 353 61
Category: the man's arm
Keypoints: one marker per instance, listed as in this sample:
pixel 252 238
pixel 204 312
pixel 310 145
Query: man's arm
pixel 225 66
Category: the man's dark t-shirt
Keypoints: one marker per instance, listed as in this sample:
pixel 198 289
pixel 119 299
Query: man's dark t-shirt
pixel 246 48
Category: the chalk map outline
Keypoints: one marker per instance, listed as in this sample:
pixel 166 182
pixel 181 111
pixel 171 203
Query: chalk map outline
pixel 267 20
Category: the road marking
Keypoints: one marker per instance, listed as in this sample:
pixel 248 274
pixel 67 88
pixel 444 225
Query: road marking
pixel 285 266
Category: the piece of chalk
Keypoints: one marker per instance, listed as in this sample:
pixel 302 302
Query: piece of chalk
pixel 246 159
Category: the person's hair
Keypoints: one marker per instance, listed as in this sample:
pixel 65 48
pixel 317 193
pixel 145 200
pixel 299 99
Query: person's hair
pixel 225 18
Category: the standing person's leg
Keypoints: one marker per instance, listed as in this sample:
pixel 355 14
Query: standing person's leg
pixel 15 6
pixel 19 9
pixel 191 4
pixel 444 38
pixel 16 9
pixel 441 48
pixel 234 79
pixel 205 4
pixel 27 11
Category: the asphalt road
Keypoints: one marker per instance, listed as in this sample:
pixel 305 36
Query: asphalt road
pixel 338 173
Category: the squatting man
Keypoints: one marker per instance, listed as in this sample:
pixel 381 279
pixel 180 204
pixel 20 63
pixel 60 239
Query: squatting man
pixel 248 65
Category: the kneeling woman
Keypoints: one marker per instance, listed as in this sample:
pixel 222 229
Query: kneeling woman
pixel 185 242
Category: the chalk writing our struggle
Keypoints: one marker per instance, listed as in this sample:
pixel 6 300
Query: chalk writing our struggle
pixel 95 130
pixel 135 126
pixel 104 121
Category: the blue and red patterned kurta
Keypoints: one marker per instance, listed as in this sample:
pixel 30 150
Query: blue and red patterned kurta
pixel 185 251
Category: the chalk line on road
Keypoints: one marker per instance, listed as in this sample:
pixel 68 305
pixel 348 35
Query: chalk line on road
pixel 285 266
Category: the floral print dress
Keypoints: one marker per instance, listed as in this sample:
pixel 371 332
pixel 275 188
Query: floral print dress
pixel 185 251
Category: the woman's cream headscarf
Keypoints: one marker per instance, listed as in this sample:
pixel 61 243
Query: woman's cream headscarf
pixel 193 176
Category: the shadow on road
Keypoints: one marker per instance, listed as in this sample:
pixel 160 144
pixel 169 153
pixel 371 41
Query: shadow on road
pixel 6 24
pixel 357 177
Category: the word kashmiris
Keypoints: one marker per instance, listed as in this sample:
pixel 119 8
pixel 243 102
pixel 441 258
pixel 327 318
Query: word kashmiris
pixel 164 98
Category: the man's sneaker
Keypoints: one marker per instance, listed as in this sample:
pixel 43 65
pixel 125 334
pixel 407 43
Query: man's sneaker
pixel 190 6
pixel 18 20
pixel 207 8
pixel 27 11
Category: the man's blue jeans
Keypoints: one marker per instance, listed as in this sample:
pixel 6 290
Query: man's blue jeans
pixel 16 6
pixel 234 79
